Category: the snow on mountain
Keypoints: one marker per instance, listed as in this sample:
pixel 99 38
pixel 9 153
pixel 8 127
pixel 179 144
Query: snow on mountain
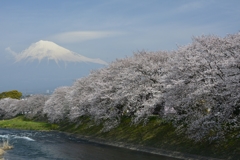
pixel 36 77
pixel 51 51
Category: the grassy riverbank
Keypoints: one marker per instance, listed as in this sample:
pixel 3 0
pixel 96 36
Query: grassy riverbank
pixel 156 135
pixel 23 123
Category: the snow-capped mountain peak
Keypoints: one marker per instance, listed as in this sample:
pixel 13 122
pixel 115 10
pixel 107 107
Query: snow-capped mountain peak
pixel 51 51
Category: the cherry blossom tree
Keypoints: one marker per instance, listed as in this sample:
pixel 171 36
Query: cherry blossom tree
pixel 130 87
pixel 8 108
pixel 196 87
pixel 204 86
pixel 56 107
pixel 33 106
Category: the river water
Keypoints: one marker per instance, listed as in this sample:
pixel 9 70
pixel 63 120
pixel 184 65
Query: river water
pixel 35 145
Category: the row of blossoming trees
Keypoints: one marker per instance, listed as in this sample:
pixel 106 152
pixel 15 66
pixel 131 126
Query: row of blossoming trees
pixel 196 87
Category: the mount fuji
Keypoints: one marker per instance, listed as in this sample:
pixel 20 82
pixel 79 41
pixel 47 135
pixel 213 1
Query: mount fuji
pixel 38 69
pixel 51 51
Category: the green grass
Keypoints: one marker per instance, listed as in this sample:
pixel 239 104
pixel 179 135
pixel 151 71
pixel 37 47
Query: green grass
pixel 22 123
pixel 156 133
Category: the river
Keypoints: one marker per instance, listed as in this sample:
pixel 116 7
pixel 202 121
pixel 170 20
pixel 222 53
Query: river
pixel 35 145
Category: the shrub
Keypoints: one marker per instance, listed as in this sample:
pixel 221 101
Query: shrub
pixel 14 94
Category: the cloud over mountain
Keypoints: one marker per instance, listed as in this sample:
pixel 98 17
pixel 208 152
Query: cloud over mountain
pixel 80 36
pixel 51 51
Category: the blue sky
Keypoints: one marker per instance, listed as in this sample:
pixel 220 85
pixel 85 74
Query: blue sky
pixel 110 29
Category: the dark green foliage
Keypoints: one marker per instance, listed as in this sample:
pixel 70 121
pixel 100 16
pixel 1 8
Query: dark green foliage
pixel 14 94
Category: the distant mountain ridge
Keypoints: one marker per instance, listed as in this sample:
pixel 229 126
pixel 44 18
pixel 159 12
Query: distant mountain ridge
pixel 51 51
pixel 44 66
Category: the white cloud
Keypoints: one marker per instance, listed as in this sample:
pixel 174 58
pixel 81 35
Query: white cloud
pixel 11 51
pixel 79 36
pixel 190 6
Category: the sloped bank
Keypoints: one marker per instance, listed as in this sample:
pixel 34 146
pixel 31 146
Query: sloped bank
pixel 156 136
